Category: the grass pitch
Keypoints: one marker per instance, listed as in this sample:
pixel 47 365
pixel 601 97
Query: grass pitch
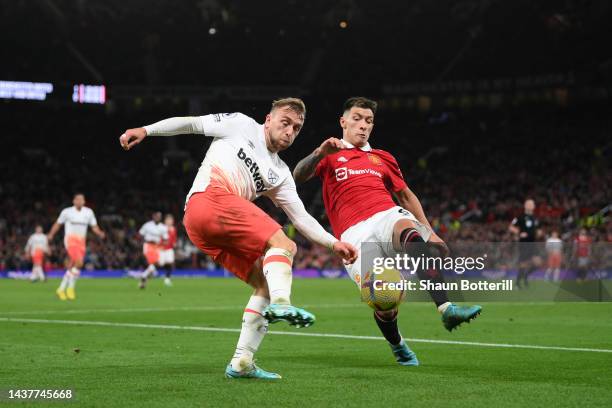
pixel 147 348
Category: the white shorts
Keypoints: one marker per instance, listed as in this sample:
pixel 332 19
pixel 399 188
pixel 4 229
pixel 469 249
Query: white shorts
pixel 377 233
pixel 166 257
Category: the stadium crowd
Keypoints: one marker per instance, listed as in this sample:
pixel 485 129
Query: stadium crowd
pixel 472 174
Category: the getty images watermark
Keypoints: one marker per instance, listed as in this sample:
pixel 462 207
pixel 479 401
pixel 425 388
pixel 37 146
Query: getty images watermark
pixel 411 264
pixel 490 271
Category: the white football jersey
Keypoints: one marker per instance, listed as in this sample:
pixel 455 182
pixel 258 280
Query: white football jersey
pixel 152 232
pixel 37 242
pixel 76 221
pixel 238 159
pixel 554 245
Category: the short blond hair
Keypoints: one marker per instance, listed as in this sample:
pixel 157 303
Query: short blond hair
pixel 295 104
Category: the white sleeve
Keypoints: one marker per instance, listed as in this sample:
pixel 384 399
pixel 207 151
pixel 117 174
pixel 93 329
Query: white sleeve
pixel 175 126
pixel 286 197
pixel 63 217
pixel 92 220
pixel 216 125
pixel 224 124
pixel 143 230
pixel 28 244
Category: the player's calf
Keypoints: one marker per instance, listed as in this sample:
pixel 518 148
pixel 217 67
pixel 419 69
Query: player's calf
pixel 387 323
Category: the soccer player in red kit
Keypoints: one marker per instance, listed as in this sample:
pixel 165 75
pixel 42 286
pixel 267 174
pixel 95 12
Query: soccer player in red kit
pixel 582 253
pixel 166 256
pixel 358 183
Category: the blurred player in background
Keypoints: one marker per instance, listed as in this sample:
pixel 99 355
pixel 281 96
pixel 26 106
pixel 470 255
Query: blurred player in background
pixel 554 250
pixel 582 254
pixel 241 165
pixel 526 228
pixel 155 236
pixel 36 249
pixel 358 183
pixel 167 253
pixel 76 220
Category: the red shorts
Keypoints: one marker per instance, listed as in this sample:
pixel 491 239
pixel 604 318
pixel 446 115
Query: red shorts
pixel 37 257
pixel 75 246
pixel 554 260
pixel 151 252
pixel 232 230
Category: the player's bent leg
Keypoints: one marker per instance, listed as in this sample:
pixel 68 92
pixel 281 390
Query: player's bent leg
pixel 409 239
pixel 74 274
pixel 61 290
pixel 277 269
pixel 254 328
pixel 387 323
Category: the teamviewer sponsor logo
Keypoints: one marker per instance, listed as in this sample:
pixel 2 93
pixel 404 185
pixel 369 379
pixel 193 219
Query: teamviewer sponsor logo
pixel 254 169
pixel 342 173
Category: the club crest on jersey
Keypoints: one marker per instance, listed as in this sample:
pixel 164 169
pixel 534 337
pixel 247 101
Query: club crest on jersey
pixel 375 159
pixel 254 169
pixel 341 173
pixel 272 176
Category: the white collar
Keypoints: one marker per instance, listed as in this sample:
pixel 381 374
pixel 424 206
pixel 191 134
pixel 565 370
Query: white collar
pixel 365 148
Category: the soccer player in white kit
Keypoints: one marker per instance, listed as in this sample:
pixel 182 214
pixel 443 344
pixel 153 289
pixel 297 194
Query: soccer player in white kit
pixel 76 220
pixel 36 248
pixel 241 165
pixel 554 249
pixel 154 233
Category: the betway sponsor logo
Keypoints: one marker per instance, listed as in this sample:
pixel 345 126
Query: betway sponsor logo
pixel 342 173
pixel 254 169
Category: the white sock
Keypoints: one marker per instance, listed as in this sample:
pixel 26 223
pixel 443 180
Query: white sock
pixel 65 280
pixel 277 270
pixel 74 275
pixel 33 274
pixel 442 308
pixel 149 271
pixel 254 328
pixel 556 275
pixel 38 272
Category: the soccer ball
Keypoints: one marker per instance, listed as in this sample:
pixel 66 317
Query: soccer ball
pixel 379 298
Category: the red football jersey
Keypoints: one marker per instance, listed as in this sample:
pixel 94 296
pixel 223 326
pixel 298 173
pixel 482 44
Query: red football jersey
pixel 583 246
pixel 171 238
pixel 357 185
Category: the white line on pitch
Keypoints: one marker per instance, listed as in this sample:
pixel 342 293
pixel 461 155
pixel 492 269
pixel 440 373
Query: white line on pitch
pixel 335 336
pixel 160 309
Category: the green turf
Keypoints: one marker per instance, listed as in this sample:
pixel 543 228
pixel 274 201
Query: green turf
pixel 136 367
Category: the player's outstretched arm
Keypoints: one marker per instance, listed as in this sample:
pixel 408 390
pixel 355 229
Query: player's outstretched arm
pixel 166 127
pixel 53 231
pixel 286 197
pixel 305 169
pixel 98 232
pixel 408 200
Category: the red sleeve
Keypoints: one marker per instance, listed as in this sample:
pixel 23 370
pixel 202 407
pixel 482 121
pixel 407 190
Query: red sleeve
pixel 321 167
pixel 394 179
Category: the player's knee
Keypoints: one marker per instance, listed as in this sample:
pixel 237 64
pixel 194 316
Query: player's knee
pixel 401 226
pixel 280 240
pixel 386 315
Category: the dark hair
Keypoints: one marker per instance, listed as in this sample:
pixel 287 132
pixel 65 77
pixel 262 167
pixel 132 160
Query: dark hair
pixel 360 102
